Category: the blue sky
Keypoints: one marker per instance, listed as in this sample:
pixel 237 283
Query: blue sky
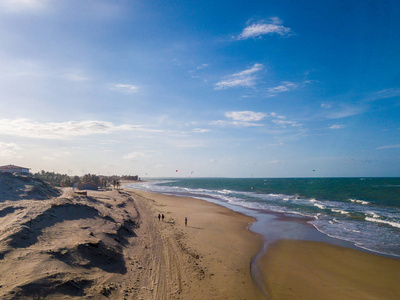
pixel 208 88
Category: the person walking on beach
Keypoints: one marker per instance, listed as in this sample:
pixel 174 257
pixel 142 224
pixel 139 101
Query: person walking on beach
pixel 185 221
pixel 159 216
pixel 162 217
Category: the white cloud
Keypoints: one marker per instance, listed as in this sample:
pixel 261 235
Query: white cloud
pixel 241 119
pixel 57 155
pixel 272 26
pixel 337 126
pixel 138 155
pixel 203 66
pixel 280 144
pixel 62 130
pixel 125 88
pixel 245 116
pixel 326 105
pixel 76 75
pixel 389 146
pixel 8 149
pixel 388 93
pixel 235 123
pixel 287 86
pixel 200 130
pixel 284 87
pixel 186 145
pixel 22 5
pixel 284 123
pixel 346 111
pixel 244 78
pixel 248 119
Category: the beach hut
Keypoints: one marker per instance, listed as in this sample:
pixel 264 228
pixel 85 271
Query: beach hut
pixel 14 169
pixel 88 186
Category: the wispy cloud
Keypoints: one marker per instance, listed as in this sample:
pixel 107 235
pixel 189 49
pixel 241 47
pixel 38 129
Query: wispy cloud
pixel 241 119
pixel 389 147
pixel 283 87
pixel 326 105
pixel 16 6
pixel 235 123
pixel 57 155
pixel 76 75
pixel 245 116
pixel 8 149
pixel 275 162
pixel 203 66
pixel 244 78
pixel 249 119
pixel 258 29
pixel 199 69
pixel 281 121
pixel 200 130
pixel 387 93
pixel 287 86
pixel 286 123
pixel 63 130
pixel 337 126
pixel 125 88
pixel 345 110
pixel 140 155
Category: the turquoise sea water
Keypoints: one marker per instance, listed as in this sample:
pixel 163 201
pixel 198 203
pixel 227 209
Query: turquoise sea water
pixel 362 211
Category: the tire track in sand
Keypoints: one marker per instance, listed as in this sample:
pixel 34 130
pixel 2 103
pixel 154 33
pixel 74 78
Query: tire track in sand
pixel 162 268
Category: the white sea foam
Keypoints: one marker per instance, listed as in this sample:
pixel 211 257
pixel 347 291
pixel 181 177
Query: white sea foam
pixel 393 224
pixel 319 205
pixel 343 212
pixel 373 214
pixel 359 201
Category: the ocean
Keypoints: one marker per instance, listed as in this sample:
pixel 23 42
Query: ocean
pixel 362 212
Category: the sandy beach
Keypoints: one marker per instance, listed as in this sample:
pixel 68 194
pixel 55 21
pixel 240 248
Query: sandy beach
pixel 111 245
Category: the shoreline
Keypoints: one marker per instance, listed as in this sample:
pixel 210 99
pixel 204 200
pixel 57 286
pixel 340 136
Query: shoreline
pixel 307 232
pixel 327 262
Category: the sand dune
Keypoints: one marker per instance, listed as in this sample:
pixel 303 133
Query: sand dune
pixel 65 245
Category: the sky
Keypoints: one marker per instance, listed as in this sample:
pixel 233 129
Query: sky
pixel 201 88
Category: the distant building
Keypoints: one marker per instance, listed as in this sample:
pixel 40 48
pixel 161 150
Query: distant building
pixel 88 186
pixel 14 169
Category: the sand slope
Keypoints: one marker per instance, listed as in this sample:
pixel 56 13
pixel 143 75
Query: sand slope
pixel 17 187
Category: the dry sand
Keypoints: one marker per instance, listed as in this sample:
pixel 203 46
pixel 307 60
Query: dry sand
pixel 111 245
